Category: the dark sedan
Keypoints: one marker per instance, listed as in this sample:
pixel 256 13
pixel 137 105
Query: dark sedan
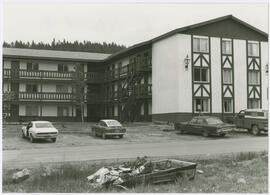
pixel 205 125
pixel 108 128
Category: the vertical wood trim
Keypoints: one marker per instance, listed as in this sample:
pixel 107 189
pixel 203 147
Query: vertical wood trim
pixel 247 70
pixel 222 98
pixel 260 69
pixel 192 79
pixel 210 77
pixel 233 98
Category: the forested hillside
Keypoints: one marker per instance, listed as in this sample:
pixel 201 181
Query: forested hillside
pixel 85 46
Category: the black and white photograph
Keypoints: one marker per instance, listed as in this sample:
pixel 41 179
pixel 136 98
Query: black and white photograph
pixel 134 97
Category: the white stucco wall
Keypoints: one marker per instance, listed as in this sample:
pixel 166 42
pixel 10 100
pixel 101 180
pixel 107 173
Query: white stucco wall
pixel 264 75
pixel 49 110
pixel 22 110
pixel 48 66
pixel 216 75
pixel 171 90
pixel 240 74
pixel 49 88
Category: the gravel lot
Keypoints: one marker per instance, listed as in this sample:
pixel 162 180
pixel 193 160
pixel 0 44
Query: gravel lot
pixel 75 134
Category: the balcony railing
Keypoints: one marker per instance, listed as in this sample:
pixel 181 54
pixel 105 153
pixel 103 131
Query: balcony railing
pixel 143 90
pixel 94 76
pixel 7 73
pixel 45 96
pixel 125 70
pixel 89 76
pixel 140 91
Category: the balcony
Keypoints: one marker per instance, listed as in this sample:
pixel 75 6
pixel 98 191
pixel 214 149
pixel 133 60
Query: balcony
pixel 52 75
pixel 46 96
pixel 126 70
pixel 143 91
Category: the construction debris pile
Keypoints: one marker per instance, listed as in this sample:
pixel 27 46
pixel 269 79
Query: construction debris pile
pixel 117 175
pixel 121 175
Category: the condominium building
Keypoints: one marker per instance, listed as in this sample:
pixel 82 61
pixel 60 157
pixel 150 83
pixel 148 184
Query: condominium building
pixel 217 67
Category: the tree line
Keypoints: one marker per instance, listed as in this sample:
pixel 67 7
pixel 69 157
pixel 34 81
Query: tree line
pixel 64 45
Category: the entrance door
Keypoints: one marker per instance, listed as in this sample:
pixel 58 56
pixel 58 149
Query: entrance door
pixel 14 112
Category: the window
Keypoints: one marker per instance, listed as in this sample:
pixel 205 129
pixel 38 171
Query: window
pixel 227 76
pixel 201 74
pixel 31 88
pixel 200 44
pixel 61 88
pixel 62 111
pixel 226 46
pixel 227 105
pixel 62 68
pixel 253 77
pixel 31 110
pixel 253 49
pixel 253 103
pixel 201 105
pixel 32 66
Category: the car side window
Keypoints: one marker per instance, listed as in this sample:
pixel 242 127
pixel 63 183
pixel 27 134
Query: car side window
pixel 103 124
pixel 241 114
pixel 194 120
pixel 200 121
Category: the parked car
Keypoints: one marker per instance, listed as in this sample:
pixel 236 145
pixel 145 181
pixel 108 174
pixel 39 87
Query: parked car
pixel 35 130
pixel 205 125
pixel 106 128
pixel 254 120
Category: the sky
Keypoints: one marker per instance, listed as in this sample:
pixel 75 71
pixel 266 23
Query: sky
pixel 121 23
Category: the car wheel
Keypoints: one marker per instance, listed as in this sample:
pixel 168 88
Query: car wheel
pixel 53 139
pixel 104 136
pixel 222 135
pixel 121 136
pixel 255 130
pixel 32 139
pixel 205 133
pixel 180 131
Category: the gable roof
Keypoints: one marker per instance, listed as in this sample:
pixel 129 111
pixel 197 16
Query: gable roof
pixel 188 29
pixel 54 54
pixel 86 56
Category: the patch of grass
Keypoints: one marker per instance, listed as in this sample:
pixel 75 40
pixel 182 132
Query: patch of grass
pixel 221 175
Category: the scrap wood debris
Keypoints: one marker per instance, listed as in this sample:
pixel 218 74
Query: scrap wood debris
pixel 117 175
pixel 107 176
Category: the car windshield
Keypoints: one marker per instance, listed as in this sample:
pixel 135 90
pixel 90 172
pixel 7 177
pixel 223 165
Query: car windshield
pixel 113 124
pixel 43 125
pixel 214 121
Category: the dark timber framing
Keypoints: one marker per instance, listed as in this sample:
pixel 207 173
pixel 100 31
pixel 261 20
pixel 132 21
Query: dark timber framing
pixel 254 91
pixel 197 56
pixel 229 58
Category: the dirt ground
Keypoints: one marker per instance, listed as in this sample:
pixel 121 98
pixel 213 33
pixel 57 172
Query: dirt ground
pixel 75 134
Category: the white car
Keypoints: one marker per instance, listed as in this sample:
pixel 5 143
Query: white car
pixel 39 130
